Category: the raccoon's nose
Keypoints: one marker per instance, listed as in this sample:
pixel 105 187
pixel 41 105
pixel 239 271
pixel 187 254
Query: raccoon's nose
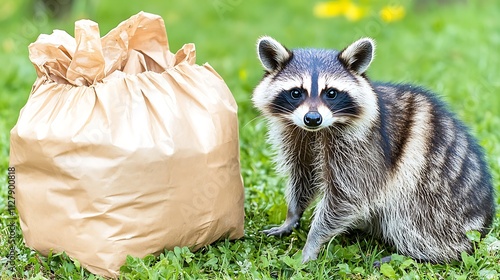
pixel 313 119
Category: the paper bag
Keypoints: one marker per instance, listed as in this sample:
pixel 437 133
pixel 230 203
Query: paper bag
pixel 124 148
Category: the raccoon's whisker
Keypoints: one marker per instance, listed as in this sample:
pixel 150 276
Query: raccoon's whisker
pixel 345 108
pixel 262 118
pixel 281 108
pixel 345 115
pixel 339 112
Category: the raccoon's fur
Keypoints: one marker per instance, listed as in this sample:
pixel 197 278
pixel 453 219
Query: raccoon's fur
pixel 390 159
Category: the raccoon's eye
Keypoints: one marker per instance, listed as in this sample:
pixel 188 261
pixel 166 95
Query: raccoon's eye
pixel 295 93
pixel 331 93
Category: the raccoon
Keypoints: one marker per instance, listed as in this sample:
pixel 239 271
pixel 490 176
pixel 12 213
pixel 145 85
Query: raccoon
pixel 389 159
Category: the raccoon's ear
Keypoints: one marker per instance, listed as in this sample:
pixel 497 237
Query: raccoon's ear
pixel 271 53
pixel 358 56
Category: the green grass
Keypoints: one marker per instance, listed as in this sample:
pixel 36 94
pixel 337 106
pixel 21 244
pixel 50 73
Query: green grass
pixel 451 49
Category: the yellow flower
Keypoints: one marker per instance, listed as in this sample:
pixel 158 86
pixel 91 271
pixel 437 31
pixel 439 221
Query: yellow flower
pixel 354 12
pixel 345 8
pixel 392 13
pixel 328 9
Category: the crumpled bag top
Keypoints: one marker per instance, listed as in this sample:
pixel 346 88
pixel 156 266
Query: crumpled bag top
pixel 136 45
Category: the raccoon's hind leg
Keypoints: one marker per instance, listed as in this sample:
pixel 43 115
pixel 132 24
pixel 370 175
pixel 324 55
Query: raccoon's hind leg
pixel 301 191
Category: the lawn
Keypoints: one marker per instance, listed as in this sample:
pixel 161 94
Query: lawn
pixel 450 47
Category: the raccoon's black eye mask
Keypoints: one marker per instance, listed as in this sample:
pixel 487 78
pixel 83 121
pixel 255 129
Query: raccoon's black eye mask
pixel 287 101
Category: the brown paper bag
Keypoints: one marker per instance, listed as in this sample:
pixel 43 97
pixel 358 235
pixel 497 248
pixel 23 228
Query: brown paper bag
pixel 124 148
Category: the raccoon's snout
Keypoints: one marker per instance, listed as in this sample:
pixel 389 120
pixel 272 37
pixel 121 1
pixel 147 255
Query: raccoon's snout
pixel 312 119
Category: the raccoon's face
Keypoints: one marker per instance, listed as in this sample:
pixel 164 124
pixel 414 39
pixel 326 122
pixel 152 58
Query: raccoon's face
pixel 313 88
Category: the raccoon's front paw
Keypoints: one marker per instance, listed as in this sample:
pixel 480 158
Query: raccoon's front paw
pixel 308 256
pixel 311 250
pixel 283 230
